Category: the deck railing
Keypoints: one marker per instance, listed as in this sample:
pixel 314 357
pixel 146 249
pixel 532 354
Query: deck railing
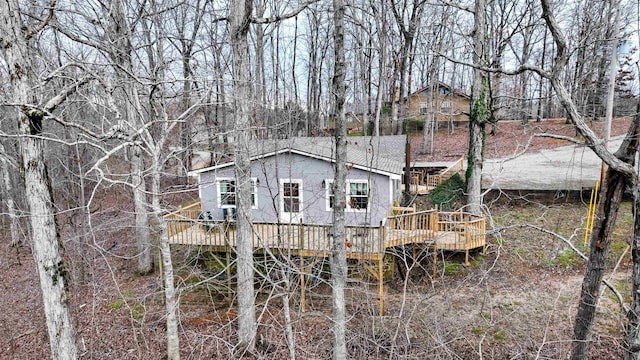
pixel 186 226
pixel 189 228
pixel 175 223
pixel 469 229
pixel 432 181
pixel 413 227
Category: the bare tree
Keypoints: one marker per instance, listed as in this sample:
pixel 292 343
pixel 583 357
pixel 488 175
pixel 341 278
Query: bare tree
pixel 620 171
pixel 48 250
pixel 407 18
pixel 479 110
pixel 119 32
pixel 239 21
pixel 338 253
pixel 188 25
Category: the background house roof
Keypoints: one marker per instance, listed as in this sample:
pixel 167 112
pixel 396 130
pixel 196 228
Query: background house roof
pixel 458 92
pixel 378 154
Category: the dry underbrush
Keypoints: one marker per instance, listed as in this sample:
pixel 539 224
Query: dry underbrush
pixel 517 301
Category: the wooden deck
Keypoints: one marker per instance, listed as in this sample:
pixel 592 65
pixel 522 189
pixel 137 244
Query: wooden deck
pixel 456 231
pixel 439 230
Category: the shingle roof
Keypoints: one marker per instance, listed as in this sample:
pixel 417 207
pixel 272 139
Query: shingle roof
pixel 378 154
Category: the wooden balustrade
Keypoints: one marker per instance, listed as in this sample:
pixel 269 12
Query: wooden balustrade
pixel 432 181
pixel 444 230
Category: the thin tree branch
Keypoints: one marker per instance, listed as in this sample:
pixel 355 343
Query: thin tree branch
pixel 276 18
pixel 44 22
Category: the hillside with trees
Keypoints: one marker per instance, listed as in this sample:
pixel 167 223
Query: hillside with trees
pixel 108 107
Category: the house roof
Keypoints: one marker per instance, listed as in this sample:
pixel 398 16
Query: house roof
pixel 382 154
pixel 457 92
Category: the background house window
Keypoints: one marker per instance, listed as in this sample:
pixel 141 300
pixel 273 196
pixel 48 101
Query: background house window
pixel 227 193
pixel 446 106
pixel 424 108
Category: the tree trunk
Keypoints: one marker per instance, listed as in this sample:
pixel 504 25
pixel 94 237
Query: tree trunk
pixel 478 116
pixel 338 253
pixel 608 203
pixel 633 326
pixel 120 53
pixel 171 304
pixel 239 13
pixel 14 225
pixel 382 69
pixel 47 245
pixel 143 243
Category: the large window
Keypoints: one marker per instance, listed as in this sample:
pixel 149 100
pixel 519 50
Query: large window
pixel 357 195
pixel 227 193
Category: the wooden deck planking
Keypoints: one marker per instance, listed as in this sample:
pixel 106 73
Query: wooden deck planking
pixel 362 243
pixel 442 230
pixel 305 240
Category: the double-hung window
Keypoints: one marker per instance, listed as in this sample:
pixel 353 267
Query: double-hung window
pixel 227 193
pixel 424 108
pixel 357 195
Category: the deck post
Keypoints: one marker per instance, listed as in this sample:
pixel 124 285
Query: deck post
pixel 467 240
pixel 303 299
pixel 228 271
pixel 381 283
pixel 435 257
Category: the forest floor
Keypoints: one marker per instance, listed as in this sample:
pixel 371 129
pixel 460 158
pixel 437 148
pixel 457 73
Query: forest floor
pixel 517 301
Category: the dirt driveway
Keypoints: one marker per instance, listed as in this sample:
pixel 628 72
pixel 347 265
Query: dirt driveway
pixel 572 167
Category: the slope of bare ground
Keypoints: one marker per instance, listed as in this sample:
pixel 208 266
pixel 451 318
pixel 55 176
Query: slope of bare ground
pixel 517 301
pixel 510 137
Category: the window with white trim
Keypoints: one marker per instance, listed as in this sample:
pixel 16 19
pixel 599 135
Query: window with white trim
pixel 357 195
pixel 424 108
pixel 291 196
pixel 227 193
pixel 328 185
pixel 446 106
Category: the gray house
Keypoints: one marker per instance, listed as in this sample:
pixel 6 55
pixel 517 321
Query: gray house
pixel 292 181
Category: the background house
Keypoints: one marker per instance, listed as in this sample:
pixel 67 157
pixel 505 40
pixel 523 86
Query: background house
pixel 355 115
pixel 292 180
pixel 446 103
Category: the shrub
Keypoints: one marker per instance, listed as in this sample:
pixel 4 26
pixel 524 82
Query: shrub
pixel 448 193
pixel 413 126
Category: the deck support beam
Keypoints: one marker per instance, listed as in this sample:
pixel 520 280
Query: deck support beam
pixel 378 274
pixel 228 271
pixel 381 284
pixel 303 299
pixel 435 258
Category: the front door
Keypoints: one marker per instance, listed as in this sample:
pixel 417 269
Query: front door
pixel 291 201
